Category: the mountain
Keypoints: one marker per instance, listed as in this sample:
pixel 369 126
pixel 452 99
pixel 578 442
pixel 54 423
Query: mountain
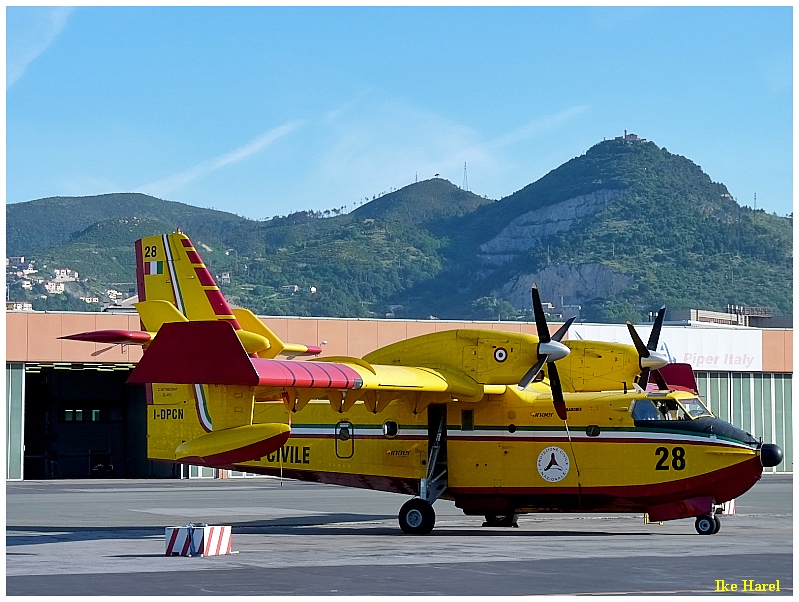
pixel 36 225
pixel 619 230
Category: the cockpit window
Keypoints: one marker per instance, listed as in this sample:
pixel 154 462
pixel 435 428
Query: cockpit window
pixel 694 407
pixel 644 409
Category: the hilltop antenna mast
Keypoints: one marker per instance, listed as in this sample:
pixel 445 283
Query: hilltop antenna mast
pixel 465 179
pixel 755 200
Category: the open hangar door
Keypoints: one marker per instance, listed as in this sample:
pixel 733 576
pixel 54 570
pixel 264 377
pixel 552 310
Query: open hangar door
pixel 85 422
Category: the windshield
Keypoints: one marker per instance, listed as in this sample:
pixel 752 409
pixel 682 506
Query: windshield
pixel 694 407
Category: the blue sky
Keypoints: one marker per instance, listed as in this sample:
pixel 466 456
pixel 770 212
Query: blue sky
pixel 262 111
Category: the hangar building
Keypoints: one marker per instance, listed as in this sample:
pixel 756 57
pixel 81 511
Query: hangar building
pixel 69 413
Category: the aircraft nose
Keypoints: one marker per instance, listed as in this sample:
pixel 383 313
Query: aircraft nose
pixel 770 455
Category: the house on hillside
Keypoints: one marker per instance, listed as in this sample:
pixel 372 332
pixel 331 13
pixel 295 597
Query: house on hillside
pixel 64 275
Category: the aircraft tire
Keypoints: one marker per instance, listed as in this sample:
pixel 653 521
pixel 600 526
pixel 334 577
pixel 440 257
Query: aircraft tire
pixel 705 525
pixel 417 517
pixel 716 520
pixel 501 520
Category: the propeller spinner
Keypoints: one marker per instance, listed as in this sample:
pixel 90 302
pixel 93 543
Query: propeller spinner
pixel 550 350
pixel 648 358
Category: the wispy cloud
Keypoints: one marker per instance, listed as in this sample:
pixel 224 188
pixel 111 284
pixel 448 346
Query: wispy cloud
pixel 537 127
pixel 176 181
pixel 30 31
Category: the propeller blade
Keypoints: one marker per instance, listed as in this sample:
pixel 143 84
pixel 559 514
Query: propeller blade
pixel 562 330
pixel 639 344
pixel 557 391
pixel 540 318
pixel 662 384
pixel 654 335
pixel 643 379
pixel 532 372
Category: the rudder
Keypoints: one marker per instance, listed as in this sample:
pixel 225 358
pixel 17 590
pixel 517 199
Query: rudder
pixel 168 268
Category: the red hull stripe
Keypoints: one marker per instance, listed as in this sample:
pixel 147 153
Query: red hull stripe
pixel 698 441
pixel 724 484
pixel 392 484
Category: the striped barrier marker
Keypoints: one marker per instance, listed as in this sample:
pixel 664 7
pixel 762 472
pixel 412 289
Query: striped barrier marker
pixel 199 540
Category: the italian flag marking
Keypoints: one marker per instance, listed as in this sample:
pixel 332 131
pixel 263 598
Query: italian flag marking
pixel 153 267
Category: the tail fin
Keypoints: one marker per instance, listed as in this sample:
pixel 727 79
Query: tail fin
pixel 175 286
pixel 168 268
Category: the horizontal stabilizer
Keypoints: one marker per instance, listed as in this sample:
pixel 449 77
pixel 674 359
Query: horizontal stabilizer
pixel 250 322
pixel 211 353
pixel 235 445
pixel 154 314
pixel 195 352
pixel 123 337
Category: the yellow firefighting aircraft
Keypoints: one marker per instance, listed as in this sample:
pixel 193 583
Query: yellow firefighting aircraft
pixel 502 423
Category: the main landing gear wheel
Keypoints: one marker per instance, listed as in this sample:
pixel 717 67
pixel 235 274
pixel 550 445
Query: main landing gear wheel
pixel 501 520
pixel 417 517
pixel 716 520
pixel 707 525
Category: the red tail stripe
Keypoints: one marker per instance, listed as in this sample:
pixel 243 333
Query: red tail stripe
pixel 194 257
pixel 218 303
pixel 186 242
pixel 204 277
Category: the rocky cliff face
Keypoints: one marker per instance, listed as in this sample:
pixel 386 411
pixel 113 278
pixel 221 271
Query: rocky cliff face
pixel 564 284
pixel 526 231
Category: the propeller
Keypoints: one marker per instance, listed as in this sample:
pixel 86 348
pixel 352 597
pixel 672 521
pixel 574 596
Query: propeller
pixel 550 350
pixel 648 358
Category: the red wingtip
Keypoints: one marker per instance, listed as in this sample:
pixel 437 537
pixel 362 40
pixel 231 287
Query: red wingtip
pixel 313 350
pixel 125 337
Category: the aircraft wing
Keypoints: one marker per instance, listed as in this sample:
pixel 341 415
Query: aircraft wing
pixel 211 353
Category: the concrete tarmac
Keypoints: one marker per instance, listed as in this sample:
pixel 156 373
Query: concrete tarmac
pixel 106 537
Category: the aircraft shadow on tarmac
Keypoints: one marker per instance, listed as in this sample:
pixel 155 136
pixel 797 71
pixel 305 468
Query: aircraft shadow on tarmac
pixel 306 526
